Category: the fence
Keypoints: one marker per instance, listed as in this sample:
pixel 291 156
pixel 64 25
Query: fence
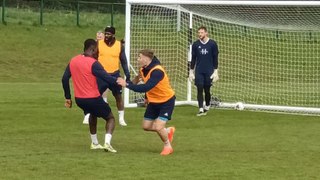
pixel 38 12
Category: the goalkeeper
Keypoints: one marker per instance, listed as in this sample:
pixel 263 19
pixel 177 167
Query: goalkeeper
pixel 204 67
pixel 160 97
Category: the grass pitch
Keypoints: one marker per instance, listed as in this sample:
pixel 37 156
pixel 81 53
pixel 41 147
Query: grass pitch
pixel 40 139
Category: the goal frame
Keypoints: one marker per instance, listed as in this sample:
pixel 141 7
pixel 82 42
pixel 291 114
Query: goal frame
pixel 307 110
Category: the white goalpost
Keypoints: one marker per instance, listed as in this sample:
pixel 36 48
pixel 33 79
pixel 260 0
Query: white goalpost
pixel 269 51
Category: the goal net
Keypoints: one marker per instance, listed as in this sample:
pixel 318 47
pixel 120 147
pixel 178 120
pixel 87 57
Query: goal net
pixel 269 51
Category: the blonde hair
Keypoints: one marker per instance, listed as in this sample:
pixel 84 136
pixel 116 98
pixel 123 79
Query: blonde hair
pixel 147 52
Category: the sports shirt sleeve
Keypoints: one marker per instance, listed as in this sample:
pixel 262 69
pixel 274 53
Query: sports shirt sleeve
pixel 194 55
pixel 215 56
pixel 124 63
pixel 99 72
pixel 65 82
pixel 155 77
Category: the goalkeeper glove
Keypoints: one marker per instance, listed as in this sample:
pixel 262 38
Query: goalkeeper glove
pixel 214 76
pixel 191 75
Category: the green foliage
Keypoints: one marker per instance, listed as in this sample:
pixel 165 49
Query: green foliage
pixel 34 53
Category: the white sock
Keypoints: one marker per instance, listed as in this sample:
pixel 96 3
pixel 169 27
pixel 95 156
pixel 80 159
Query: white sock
pixel 121 115
pixel 108 138
pixel 105 99
pixel 94 138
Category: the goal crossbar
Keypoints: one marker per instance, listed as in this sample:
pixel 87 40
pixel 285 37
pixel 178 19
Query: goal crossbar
pixel 230 3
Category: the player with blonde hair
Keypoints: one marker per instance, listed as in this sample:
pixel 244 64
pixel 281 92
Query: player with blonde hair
pixel 159 95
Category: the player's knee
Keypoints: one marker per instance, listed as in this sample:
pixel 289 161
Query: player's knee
pixel 109 118
pixel 146 128
pixel 159 128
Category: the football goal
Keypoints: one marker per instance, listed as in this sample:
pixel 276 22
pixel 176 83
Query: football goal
pixel 269 51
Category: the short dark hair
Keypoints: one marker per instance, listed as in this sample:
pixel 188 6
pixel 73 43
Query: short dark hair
pixel 147 52
pixel 110 29
pixel 89 43
pixel 203 27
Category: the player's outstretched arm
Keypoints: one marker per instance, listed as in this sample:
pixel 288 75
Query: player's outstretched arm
pixel 99 71
pixel 136 80
pixel 66 87
pixel 155 77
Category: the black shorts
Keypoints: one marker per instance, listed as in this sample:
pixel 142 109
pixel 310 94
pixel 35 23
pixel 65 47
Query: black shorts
pixel 114 88
pixel 203 79
pixel 94 106
pixel 162 111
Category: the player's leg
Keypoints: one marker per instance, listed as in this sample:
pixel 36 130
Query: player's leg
pixel 93 133
pixel 207 98
pixel 103 89
pixel 87 105
pixel 109 127
pixel 150 115
pixel 164 115
pixel 117 93
pixel 103 110
pixel 199 82
pixel 207 86
pixel 200 100
pixel 160 126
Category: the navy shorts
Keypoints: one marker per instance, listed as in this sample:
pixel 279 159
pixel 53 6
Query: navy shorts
pixel 103 86
pixel 203 79
pixel 94 106
pixel 162 111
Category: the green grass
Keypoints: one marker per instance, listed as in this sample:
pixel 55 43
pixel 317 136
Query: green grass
pixel 40 139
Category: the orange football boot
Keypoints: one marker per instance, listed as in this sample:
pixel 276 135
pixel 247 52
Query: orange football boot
pixel 166 151
pixel 171 133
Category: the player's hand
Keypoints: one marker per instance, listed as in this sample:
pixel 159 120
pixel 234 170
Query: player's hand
pixel 121 82
pixel 146 102
pixel 214 76
pixel 68 103
pixel 191 75
pixel 99 35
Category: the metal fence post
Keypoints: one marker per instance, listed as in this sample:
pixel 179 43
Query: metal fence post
pixel 3 13
pixel 112 14
pixel 78 13
pixel 41 12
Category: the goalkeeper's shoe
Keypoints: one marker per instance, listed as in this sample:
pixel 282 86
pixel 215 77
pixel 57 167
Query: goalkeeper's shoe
pixel 202 112
pixel 108 147
pixel 171 133
pixel 206 109
pixel 95 146
pixel 166 151
pixel 86 119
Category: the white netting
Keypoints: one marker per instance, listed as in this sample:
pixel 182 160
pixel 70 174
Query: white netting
pixel 268 55
pixel 156 28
